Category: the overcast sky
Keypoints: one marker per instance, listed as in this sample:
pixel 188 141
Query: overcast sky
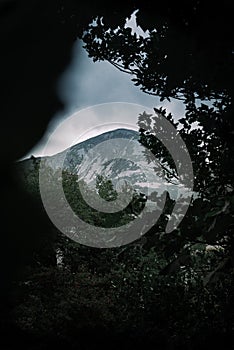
pixel 86 85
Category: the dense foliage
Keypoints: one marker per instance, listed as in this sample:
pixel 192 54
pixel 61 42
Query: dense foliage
pixel 174 291
pixel 163 291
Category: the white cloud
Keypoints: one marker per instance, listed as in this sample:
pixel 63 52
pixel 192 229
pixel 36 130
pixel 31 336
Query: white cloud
pixel 85 84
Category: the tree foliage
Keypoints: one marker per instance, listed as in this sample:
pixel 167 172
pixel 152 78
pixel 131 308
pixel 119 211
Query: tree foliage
pixel 184 55
pixel 168 291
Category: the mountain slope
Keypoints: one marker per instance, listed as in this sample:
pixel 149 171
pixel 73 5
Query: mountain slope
pixel 116 154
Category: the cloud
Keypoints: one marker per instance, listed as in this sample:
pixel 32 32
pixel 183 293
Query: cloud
pixel 85 84
pixel 89 122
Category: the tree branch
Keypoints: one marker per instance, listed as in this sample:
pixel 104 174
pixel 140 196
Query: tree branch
pixel 121 68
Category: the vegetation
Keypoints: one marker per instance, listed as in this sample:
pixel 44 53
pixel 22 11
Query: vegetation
pixel 165 291
pixel 161 288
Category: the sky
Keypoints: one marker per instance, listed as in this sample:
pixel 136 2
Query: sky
pixel 97 98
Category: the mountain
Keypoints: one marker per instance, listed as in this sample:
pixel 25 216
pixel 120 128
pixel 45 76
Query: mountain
pixel 116 154
pixel 76 153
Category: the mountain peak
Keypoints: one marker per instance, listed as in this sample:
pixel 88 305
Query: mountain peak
pixel 116 133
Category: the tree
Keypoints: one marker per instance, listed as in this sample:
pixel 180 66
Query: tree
pixel 175 59
pixel 184 56
pixel 105 188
